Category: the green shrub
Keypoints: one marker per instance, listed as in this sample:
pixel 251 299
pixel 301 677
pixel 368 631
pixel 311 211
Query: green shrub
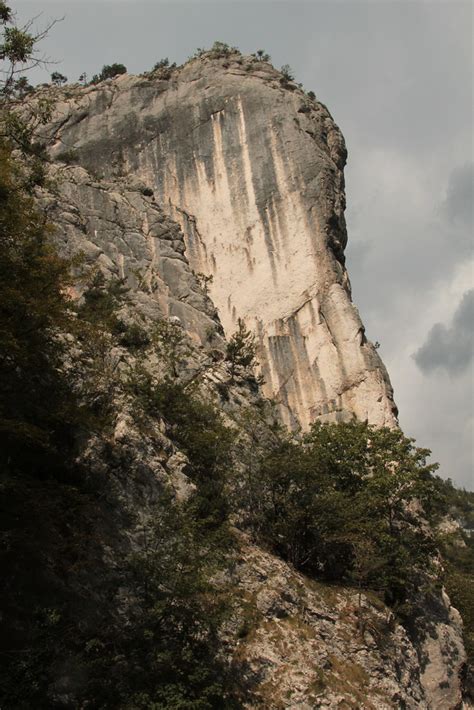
pixel 134 337
pixel 38 409
pixel 287 73
pixel 164 68
pixel 167 654
pixel 58 79
pixel 262 56
pixel 101 300
pixel 218 50
pixel 336 504
pixel 241 348
pixel 108 72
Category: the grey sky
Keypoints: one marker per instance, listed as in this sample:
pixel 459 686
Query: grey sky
pixel 397 77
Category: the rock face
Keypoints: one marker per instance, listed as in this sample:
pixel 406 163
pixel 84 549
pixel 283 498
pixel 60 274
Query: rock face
pixel 220 170
pixel 252 170
pixel 124 233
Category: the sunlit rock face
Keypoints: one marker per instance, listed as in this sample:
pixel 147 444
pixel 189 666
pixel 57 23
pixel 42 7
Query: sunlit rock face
pixel 252 169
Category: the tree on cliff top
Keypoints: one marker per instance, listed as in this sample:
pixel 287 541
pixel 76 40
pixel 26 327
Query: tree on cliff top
pixel 108 72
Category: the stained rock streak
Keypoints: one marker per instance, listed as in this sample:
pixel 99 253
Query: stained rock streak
pixel 253 172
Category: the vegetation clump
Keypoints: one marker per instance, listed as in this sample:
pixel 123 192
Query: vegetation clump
pixel 163 68
pixel 58 79
pixel 109 71
pixel 219 50
pixel 287 73
pixel 262 56
pixel 341 504
pixel 241 349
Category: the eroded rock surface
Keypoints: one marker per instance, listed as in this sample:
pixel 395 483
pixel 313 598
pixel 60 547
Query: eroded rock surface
pixel 222 171
pixel 253 172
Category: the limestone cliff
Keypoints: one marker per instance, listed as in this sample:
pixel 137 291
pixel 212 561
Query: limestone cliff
pixel 252 170
pixel 223 169
pixel 297 643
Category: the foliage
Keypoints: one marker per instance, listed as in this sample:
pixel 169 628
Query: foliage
pixel 164 68
pixel 18 49
pixel 70 156
pixel 241 348
pixel 167 655
pixel 108 72
pixel 204 281
pixel 22 88
pixel 339 505
pixel 458 559
pixel 18 54
pixel 169 342
pixel 457 552
pixel 58 79
pixel 101 300
pixel 38 410
pixel 197 427
pixel 218 50
pixel 452 501
pixel 134 337
pixel 262 56
pixel 160 651
pixel 162 64
pixel 312 95
pixel 287 73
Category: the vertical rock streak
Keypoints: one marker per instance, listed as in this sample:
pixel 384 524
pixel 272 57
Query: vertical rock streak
pixel 253 174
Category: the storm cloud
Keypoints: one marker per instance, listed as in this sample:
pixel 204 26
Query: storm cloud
pixel 450 347
pixel 459 198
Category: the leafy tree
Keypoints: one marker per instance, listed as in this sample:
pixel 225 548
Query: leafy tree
pixel 262 56
pixel 18 54
pixel 167 655
pixel 18 50
pixel 241 348
pixel 169 341
pixel 162 64
pixel 196 425
pixel 287 73
pixel 58 79
pixel 221 49
pixel 22 87
pixel 457 553
pixel 343 504
pixel 37 406
pixel 108 72
pixel 101 300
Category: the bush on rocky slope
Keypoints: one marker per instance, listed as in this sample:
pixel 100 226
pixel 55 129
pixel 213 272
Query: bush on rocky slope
pixel 339 504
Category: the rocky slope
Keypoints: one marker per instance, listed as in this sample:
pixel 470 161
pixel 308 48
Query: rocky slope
pixel 221 169
pixel 252 170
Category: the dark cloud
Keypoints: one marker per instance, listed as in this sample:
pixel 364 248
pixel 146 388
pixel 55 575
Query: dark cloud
pixel 458 206
pixel 450 347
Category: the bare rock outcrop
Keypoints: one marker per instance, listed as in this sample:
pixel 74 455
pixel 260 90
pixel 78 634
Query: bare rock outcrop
pixel 252 169
pixel 221 170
